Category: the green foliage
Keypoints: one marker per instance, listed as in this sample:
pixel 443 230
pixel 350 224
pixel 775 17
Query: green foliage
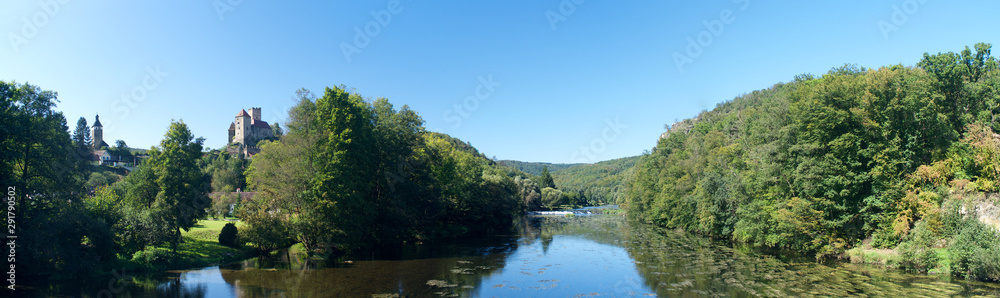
pixel 225 170
pixel 529 192
pixel 535 168
pixel 552 197
pixel 101 179
pixel 819 164
pixel 597 184
pixel 157 258
pixel 351 174
pixel 81 134
pixel 222 204
pixel 545 179
pixel 228 235
pixel 182 197
pixel 975 251
pixel 38 158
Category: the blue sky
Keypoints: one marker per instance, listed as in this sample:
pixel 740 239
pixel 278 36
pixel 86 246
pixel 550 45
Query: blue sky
pixel 557 81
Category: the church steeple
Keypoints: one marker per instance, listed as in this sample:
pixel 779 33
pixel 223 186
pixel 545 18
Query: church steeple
pixel 97 133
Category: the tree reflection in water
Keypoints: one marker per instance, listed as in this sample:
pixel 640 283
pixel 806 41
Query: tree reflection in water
pixel 542 256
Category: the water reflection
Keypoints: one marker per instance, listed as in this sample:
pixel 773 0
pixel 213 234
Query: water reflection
pixel 543 256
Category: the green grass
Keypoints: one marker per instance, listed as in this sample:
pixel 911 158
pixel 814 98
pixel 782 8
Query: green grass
pixel 208 230
pixel 885 258
pixel 200 248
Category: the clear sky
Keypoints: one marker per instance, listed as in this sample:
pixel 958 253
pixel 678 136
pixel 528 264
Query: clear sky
pixel 557 81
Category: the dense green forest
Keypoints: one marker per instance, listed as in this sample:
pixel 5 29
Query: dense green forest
pixel 348 174
pixel 353 174
pixel 535 168
pixel 899 157
pixel 598 184
pixel 577 185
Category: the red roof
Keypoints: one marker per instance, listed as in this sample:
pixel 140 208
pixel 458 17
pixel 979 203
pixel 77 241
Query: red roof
pixel 243 113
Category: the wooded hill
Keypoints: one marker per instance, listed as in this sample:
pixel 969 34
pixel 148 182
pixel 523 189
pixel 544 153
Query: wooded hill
pixel 895 157
pixel 596 184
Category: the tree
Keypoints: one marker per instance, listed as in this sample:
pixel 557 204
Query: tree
pixel 345 167
pixel 552 197
pixel 278 132
pixel 121 150
pixel 546 179
pixel 182 197
pixel 282 174
pixel 38 160
pixel 222 204
pixel 81 135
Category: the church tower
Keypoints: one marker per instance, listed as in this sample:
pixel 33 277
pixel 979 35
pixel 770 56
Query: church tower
pixel 97 133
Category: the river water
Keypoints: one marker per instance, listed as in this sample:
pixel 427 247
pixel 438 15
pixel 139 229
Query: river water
pixel 546 256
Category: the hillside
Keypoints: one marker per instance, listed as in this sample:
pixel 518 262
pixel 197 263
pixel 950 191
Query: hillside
pixel 600 183
pixel 535 168
pixel 889 158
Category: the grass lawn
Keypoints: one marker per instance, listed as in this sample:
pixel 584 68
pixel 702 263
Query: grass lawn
pixel 208 230
pixel 201 247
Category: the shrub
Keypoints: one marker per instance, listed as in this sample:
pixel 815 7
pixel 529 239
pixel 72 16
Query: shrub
pixel 975 252
pixel 228 234
pixel 154 257
pixel 264 232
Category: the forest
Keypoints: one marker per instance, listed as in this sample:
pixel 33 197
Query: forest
pixel 898 159
pixel 578 185
pixel 347 174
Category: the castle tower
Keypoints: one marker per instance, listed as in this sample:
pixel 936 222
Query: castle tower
pixel 255 114
pixel 97 133
pixel 242 124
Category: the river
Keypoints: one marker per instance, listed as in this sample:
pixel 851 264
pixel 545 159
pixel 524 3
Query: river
pixel 546 256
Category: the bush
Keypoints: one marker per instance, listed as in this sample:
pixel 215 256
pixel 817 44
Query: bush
pixel 917 259
pixel 154 257
pixel 228 234
pixel 264 232
pixel 975 252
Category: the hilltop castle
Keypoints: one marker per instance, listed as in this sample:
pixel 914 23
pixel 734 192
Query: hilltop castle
pixel 248 129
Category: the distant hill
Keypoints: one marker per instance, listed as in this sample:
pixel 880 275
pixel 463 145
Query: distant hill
pixel 535 168
pixel 600 183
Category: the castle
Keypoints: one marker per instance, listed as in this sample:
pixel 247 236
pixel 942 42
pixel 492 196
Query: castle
pixel 248 129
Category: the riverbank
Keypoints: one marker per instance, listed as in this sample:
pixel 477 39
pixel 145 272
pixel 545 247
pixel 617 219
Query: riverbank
pixel 200 248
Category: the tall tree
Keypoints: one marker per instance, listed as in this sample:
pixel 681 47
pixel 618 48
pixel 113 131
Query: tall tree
pixel 547 179
pixel 82 133
pixel 345 167
pixel 182 197
pixel 37 159
pixel 121 150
